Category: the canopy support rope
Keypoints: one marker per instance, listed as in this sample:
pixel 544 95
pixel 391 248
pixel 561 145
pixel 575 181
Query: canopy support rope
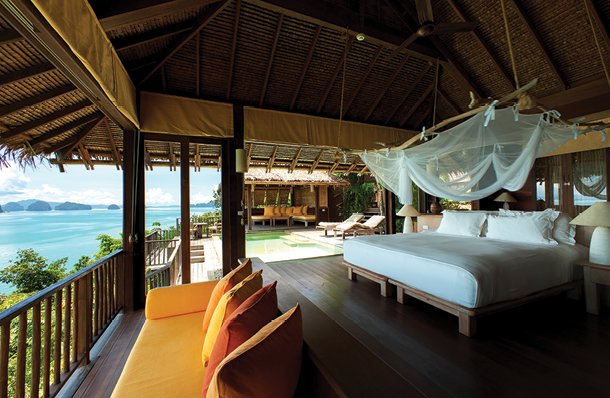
pixel 435 92
pixel 343 86
pixel 510 46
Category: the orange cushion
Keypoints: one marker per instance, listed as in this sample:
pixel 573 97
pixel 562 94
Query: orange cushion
pixel 226 306
pixel 269 211
pixel 276 211
pixel 282 210
pixel 289 210
pixel 304 209
pixel 249 318
pixel 224 285
pixel 267 365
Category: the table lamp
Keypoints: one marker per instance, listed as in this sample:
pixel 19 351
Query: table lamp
pixel 505 197
pixel 407 212
pixel 598 216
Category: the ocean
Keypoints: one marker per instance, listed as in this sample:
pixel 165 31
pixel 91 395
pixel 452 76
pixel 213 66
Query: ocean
pixel 58 234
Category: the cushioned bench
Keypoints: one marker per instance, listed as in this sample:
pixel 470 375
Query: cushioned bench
pixel 304 218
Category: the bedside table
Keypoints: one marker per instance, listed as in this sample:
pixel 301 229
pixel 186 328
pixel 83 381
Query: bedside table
pixel 594 274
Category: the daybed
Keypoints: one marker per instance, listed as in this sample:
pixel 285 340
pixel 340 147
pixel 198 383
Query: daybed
pixel 261 219
pixel 454 269
pixel 329 226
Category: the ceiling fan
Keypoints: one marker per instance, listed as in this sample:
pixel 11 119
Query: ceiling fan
pixel 428 27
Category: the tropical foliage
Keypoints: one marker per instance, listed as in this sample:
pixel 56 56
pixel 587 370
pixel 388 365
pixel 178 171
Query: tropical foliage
pixel 358 196
pixel 30 272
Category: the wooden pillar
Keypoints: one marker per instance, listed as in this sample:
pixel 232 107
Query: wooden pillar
pixel 317 203
pixel 249 203
pixel 134 292
pixel 185 210
pixel 233 228
pixel 389 212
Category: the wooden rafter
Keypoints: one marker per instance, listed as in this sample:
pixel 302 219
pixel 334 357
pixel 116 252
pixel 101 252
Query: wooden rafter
pixel 78 138
pixel 24 128
pixel 233 47
pixel 335 165
pixel 364 169
pixel 128 12
pixel 448 100
pixel 35 100
pixel 315 163
pixel 197 64
pixel 385 88
pixel 273 47
pixel 115 153
pixel 353 165
pixel 197 158
pixel 172 157
pixel 272 160
pixel 312 47
pixel 295 160
pixel 9 36
pixel 219 163
pixel 408 92
pixel 147 162
pixel 492 57
pixel 65 128
pixel 538 41
pixel 150 37
pixel 417 104
pixel 27 73
pixel 81 152
pixel 249 154
pixel 184 38
pixel 601 25
pixel 362 80
pixel 331 82
pixel 422 118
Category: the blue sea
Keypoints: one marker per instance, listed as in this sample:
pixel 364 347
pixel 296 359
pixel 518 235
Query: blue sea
pixel 58 234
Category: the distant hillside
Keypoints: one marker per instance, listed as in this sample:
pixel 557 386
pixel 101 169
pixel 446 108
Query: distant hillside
pixel 12 206
pixel 209 204
pixel 1 209
pixel 114 207
pixel 27 202
pixel 39 206
pixel 72 206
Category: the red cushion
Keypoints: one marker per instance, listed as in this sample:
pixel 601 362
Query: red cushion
pixel 254 313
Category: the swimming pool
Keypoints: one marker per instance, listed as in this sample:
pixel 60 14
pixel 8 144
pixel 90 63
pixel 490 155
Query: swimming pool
pixel 274 246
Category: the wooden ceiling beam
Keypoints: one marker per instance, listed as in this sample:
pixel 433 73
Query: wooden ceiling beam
pixel 233 48
pixel 197 64
pixel 273 48
pixel 272 159
pixel 601 25
pixel 408 92
pixel 448 100
pixel 85 157
pixel 75 141
pixel 362 80
pixel 184 38
pixel 492 57
pixel 385 88
pixel 35 100
pixel 24 128
pixel 115 153
pixel 353 166
pixel 197 158
pixel 335 165
pixel 331 82
pixel 312 47
pixel 295 160
pixel 147 162
pixel 65 128
pixel 151 37
pixel 336 17
pixel 172 157
pixel 249 154
pixel 129 12
pixel 219 163
pixel 82 156
pixel 364 169
pixel 538 41
pixel 27 73
pixel 10 36
pixel 315 163
pixel 421 119
pixel 417 104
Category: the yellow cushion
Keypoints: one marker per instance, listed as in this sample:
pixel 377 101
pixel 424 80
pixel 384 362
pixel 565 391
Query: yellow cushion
pixel 276 211
pixel 165 360
pixel 226 306
pixel 289 210
pixel 169 301
pixel 304 209
pixel 267 365
pixel 269 211
pixel 282 210
pixel 224 285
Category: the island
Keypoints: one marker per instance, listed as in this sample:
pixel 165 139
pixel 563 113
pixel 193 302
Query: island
pixel 1 209
pixel 39 206
pixel 72 206
pixel 114 207
pixel 12 206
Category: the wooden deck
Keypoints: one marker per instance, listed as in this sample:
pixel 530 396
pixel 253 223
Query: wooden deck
pixel 548 348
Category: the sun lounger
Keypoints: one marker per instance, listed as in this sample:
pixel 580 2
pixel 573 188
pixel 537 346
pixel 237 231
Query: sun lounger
pixel 350 227
pixel 329 226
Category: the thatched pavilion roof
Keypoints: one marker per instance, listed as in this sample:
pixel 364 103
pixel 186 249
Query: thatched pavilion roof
pixel 297 177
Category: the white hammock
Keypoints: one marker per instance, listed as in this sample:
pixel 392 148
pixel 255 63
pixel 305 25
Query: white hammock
pixel 475 159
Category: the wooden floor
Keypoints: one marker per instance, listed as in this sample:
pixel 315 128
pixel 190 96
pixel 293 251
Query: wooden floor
pixel 551 348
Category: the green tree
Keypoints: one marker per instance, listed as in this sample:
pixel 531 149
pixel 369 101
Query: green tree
pixel 107 245
pixel 358 196
pixel 217 197
pixel 30 272
pixel 82 262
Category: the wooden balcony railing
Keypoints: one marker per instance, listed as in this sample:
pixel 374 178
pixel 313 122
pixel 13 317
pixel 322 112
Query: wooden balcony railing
pixel 158 252
pixel 169 274
pixel 48 349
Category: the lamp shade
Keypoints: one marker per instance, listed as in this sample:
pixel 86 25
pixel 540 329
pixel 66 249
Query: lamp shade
pixel 597 215
pixel 408 211
pixel 505 197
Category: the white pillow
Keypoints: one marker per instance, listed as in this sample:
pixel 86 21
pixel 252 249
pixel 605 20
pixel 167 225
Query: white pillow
pixel 464 223
pixel 563 231
pixel 526 227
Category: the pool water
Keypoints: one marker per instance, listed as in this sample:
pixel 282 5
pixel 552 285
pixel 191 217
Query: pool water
pixel 274 246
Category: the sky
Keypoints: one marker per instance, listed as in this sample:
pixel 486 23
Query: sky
pixel 100 186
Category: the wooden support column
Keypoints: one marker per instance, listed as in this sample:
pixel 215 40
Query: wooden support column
pixel 233 231
pixel 389 212
pixel 133 278
pixel 249 203
pixel 317 203
pixel 185 210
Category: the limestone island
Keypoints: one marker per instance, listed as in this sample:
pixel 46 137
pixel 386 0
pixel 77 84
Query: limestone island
pixel 39 206
pixel 72 206
pixel 114 207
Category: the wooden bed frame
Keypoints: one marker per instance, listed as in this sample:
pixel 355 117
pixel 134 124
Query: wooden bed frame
pixel 468 316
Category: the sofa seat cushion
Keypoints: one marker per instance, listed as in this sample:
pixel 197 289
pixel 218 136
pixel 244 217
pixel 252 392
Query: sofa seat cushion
pixel 311 217
pixel 165 360
pixel 261 218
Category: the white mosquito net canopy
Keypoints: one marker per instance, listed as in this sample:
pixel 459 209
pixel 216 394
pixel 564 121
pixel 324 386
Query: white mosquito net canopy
pixel 475 159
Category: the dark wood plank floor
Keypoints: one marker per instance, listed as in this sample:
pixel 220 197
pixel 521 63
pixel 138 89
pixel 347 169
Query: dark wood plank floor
pixel 548 348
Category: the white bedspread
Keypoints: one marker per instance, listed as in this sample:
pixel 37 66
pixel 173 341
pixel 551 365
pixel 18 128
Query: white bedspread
pixel 472 272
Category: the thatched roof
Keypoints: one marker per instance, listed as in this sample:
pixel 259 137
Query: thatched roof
pixel 297 177
pixel 288 56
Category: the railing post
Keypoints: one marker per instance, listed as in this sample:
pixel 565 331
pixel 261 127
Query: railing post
pixel 82 318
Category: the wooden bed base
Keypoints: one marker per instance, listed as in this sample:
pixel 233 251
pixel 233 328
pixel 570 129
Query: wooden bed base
pixel 467 316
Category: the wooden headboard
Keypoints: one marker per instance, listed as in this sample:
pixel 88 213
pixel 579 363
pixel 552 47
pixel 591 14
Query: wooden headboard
pixel 431 221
